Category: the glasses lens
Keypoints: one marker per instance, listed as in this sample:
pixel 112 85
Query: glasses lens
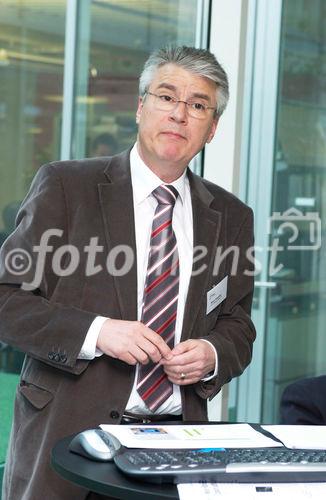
pixel 196 112
pixel 164 102
pixel 169 103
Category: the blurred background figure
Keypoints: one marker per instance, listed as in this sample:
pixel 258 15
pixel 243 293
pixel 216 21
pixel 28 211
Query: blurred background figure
pixel 104 145
pixel 304 403
pixel 8 215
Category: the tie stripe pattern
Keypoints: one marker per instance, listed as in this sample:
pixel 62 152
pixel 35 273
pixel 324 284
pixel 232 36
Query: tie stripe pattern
pixel 160 295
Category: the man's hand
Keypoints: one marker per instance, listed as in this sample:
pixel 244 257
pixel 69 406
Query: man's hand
pixel 193 359
pixel 132 342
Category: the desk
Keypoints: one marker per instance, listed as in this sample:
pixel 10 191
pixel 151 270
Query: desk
pixel 104 477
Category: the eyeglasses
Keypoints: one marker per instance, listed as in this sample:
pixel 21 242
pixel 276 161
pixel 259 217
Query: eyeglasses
pixel 165 102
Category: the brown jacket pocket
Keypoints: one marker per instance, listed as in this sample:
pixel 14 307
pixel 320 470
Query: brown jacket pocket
pixel 37 396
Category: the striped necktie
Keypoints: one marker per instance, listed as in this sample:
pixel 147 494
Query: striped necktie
pixel 160 295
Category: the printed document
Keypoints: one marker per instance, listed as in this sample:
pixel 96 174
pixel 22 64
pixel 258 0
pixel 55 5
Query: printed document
pixel 270 491
pixel 190 436
pixel 311 437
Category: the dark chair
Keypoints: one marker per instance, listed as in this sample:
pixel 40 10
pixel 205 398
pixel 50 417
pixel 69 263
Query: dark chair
pixel 304 402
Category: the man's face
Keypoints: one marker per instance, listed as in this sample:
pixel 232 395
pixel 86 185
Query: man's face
pixel 174 137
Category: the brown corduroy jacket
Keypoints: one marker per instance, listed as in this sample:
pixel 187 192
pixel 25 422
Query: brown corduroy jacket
pixel 59 394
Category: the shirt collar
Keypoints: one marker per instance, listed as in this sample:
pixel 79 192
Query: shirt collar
pixel 144 181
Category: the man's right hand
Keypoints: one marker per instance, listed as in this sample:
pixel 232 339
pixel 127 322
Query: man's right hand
pixel 132 342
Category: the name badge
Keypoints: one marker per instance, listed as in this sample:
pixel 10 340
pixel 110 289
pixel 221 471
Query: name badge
pixel 216 295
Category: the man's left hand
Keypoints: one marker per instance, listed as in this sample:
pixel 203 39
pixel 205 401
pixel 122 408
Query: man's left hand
pixel 192 360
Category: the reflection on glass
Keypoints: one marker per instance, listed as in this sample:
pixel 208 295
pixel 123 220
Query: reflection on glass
pixel 31 78
pixel 296 341
pixel 121 36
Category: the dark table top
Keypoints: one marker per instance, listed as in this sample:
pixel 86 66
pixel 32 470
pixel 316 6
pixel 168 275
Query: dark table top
pixel 104 477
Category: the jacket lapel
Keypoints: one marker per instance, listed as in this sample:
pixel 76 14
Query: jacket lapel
pixel 116 200
pixel 207 227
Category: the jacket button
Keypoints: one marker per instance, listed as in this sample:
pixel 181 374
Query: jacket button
pixel 114 414
pixel 63 358
pixel 51 355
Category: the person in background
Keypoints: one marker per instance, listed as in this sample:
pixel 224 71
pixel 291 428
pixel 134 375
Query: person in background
pixel 126 311
pixel 303 402
pixel 8 215
pixel 104 145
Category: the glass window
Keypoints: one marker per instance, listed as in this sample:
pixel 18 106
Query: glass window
pixel 295 334
pixel 31 69
pixel 31 80
pixel 114 40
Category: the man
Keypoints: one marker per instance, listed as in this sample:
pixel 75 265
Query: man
pixel 303 402
pixel 127 309
pixel 104 145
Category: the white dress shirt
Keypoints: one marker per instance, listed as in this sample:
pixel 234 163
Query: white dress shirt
pixel 144 181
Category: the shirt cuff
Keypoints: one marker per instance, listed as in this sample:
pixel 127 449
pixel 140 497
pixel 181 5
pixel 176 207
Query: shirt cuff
pixel 89 350
pixel 211 374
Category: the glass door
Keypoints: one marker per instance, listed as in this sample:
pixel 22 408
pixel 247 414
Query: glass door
pixel 295 344
pixel 31 77
pixel 114 39
pixel 287 189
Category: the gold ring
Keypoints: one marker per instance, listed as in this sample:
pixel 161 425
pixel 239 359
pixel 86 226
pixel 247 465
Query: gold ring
pixel 182 376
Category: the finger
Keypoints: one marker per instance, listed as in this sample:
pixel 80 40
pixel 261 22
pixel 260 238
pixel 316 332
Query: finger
pixel 128 358
pixel 157 340
pixel 150 349
pixel 183 347
pixel 194 369
pixel 181 359
pixel 140 356
pixel 189 371
pixel 183 381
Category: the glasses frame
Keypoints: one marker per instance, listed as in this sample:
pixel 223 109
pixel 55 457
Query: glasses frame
pixel 188 104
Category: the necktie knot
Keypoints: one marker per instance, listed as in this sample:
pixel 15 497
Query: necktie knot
pixel 165 194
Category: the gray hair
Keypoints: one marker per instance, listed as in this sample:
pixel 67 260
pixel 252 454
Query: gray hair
pixel 198 61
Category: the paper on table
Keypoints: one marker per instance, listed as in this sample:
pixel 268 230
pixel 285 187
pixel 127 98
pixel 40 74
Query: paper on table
pixel 312 437
pixel 189 436
pixel 200 491
pixel 228 491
